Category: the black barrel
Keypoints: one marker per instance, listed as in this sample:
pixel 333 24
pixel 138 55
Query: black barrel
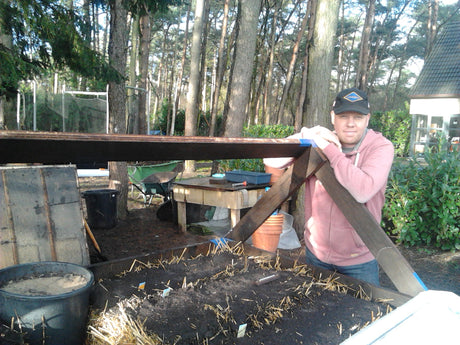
pixel 101 208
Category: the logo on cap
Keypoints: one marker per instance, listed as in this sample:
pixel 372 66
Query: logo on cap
pixel 353 97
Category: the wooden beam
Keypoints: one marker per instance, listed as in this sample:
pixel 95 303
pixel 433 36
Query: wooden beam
pixel 54 148
pixel 281 190
pixel 380 245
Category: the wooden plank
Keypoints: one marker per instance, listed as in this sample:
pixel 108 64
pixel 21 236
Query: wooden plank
pixel 48 220
pixel 380 245
pixel 43 219
pixel 53 148
pixel 182 216
pixel 65 211
pixel 281 190
pixel 28 214
pixel 9 251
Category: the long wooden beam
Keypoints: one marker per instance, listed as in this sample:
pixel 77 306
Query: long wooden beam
pixel 54 148
pixel 380 245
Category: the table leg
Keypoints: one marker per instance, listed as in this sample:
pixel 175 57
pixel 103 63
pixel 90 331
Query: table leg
pixel 182 216
pixel 234 217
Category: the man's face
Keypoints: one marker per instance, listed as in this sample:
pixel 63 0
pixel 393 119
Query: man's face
pixel 349 127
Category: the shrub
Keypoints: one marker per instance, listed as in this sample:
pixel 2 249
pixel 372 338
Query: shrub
pixel 256 131
pixel 164 117
pixel 423 201
pixel 396 126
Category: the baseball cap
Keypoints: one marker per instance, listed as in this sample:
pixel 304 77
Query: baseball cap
pixel 351 99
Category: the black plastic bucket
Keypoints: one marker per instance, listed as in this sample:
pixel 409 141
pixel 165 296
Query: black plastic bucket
pixel 101 208
pixel 49 319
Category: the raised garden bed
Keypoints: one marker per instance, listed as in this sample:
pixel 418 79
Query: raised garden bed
pixel 204 295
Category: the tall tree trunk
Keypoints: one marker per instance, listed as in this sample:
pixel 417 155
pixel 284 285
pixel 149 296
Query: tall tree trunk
pixel 7 41
pixel 133 123
pixel 340 67
pixel 244 58
pixel 295 50
pixel 230 48
pixel 105 38
pixel 118 178
pixel 204 67
pixel 144 52
pixel 181 72
pixel 317 107
pixel 311 12
pixel 402 63
pixel 268 92
pixel 431 25
pixel 191 109
pixel 86 33
pixel 258 72
pixel 361 77
pixel 96 33
pixel 383 42
pixel 320 64
pixel 221 62
pixel 159 94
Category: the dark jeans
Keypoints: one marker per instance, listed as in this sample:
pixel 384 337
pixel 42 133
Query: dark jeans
pixel 368 271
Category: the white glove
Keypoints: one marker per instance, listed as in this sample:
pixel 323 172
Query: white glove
pixel 321 136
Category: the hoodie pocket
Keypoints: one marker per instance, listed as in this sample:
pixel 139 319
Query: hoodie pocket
pixel 358 241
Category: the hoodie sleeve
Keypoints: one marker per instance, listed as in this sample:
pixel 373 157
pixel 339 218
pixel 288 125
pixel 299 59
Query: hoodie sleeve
pixel 370 174
pixel 282 162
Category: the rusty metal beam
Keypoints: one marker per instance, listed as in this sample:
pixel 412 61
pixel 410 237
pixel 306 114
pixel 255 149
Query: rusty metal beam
pixel 54 148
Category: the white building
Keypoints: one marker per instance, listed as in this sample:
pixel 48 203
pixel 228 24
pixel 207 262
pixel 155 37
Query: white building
pixel 435 97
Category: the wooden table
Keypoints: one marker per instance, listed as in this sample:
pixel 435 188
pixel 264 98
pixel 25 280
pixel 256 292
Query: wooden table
pixel 202 191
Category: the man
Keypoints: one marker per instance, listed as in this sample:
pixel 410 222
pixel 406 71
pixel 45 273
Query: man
pixel 361 159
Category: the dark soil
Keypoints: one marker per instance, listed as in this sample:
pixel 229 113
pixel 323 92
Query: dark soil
pixel 322 317
pixel 212 296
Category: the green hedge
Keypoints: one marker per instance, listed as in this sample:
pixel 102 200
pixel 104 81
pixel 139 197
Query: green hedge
pixel 423 201
pixel 396 126
pixel 203 121
pixel 255 131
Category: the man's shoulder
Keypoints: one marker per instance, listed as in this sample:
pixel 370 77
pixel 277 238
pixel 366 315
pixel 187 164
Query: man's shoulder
pixel 376 141
pixel 377 138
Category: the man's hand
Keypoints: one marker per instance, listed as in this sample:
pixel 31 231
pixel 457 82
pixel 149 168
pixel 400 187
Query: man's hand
pixel 321 135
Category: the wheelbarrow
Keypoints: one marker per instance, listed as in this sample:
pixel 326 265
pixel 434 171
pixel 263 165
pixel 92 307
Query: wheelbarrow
pixel 158 184
pixel 137 174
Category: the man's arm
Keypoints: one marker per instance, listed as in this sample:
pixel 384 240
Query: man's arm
pixel 370 174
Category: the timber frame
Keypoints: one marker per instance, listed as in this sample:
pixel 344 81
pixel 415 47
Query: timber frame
pixel 53 148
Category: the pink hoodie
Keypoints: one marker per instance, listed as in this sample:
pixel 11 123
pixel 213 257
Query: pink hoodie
pixel 364 174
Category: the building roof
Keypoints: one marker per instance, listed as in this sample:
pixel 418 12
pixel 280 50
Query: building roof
pixel 440 76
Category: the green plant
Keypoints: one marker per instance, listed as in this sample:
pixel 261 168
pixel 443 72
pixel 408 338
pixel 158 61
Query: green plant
pixel 423 200
pixel 164 117
pixel 396 126
pixel 256 131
